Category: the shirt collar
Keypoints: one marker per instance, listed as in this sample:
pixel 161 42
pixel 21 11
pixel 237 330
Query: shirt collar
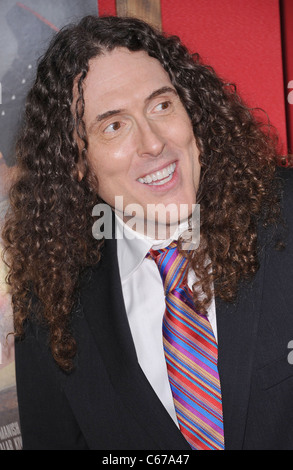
pixel 132 247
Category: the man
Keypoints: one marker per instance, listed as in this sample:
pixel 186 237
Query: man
pixel 120 111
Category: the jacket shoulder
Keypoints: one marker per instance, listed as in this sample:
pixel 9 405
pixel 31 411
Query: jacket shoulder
pixel 285 175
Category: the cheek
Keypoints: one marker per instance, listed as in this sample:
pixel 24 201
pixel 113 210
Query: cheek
pixel 193 152
pixel 192 167
pixel 184 135
pixel 196 168
pixel 105 163
pixel 110 170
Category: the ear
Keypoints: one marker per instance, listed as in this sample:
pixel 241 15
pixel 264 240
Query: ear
pixel 80 175
pixel 81 170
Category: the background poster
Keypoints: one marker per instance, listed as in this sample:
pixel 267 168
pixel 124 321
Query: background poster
pixel 25 30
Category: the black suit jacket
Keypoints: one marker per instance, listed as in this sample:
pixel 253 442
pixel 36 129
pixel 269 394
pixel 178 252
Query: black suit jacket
pixel 107 402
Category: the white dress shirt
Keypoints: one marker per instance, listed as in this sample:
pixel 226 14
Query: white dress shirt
pixel 145 306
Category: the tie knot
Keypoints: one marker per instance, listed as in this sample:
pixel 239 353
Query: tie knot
pixel 172 266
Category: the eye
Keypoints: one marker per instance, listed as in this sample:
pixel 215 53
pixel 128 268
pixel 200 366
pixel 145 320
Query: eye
pixel 163 106
pixel 113 127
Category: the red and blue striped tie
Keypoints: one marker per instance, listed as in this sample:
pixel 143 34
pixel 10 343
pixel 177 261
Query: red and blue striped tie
pixel 191 354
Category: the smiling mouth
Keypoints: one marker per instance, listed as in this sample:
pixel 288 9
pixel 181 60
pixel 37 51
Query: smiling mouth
pixel 159 177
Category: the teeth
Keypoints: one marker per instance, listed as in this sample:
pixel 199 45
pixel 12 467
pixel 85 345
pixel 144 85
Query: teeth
pixel 159 177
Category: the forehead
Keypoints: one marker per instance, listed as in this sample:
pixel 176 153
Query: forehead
pixel 120 77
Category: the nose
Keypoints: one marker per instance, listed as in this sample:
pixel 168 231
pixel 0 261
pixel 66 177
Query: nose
pixel 150 142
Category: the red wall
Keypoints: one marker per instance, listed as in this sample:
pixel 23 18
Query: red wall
pixel 107 7
pixel 241 39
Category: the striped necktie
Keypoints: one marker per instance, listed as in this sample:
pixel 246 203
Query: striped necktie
pixel 191 354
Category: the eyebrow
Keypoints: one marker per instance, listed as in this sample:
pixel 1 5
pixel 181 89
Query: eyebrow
pixel 154 94
pixel 161 91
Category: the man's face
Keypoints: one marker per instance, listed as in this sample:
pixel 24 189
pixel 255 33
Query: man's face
pixel 141 142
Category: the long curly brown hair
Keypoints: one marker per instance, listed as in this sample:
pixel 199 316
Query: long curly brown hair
pixel 48 231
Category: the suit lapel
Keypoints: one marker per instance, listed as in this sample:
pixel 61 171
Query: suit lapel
pixel 237 325
pixel 110 328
